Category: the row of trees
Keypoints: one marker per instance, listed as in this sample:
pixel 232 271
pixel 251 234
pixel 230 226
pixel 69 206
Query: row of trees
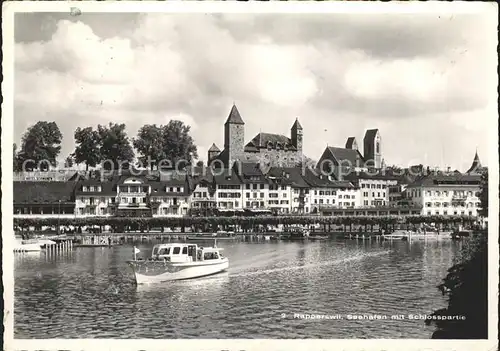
pixel 108 145
pixel 382 221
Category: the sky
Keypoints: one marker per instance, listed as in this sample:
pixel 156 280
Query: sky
pixel 428 82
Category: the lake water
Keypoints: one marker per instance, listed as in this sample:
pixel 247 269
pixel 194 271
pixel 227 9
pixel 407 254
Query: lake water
pixel 90 293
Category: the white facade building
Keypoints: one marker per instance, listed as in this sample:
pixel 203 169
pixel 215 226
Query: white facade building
pixel 447 195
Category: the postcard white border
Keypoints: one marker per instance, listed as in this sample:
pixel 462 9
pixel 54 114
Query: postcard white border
pixel 10 8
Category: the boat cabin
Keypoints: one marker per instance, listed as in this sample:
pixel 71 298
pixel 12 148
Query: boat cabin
pixel 178 252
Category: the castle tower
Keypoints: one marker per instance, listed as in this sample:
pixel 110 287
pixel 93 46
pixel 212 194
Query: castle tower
pixel 373 148
pixel 297 136
pixel 234 136
pixel 351 143
pixel 212 153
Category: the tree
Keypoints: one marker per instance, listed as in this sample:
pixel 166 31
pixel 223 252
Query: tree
pixel 16 166
pixel 178 145
pixel 68 163
pixel 40 146
pixel 115 149
pixel 88 147
pixel 200 163
pixel 149 144
pixel 483 195
pixel 466 285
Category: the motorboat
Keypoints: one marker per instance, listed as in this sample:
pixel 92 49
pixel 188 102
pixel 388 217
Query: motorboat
pixel 178 261
pixel 412 235
pixel 296 233
pixel 26 246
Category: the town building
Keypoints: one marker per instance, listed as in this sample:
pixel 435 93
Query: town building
pixel 373 187
pixel 325 192
pixel 44 199
pixel 268 148
pixel 290 189
pixel 447 194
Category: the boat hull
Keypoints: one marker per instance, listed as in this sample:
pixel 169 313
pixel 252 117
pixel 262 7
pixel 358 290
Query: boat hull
pixel 148 272
pixel 27 248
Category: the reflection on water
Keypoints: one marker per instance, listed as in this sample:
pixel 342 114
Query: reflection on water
pixel 90 292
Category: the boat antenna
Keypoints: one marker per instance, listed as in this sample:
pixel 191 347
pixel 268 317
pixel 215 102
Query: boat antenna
pixel 215 243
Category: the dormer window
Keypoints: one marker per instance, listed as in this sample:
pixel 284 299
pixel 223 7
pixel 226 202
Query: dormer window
pixel 285 147
pixel 269 145
pixel 278 146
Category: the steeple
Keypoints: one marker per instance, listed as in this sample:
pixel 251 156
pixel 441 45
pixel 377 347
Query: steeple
pixel 476 164
pixel 234 116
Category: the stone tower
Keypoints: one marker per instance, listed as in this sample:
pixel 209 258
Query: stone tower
pixel 213 152
pixel 234 137
pixel 351 143
pixel 297 136
pixel 373 149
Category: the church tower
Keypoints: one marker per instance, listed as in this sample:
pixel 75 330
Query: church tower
pixel 234 137
pixel 351 143
pixel 373 148
pixel 297 136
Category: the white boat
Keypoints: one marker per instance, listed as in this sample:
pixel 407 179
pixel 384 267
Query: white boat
pixel 22 246
pixel 178 261
pixel 412 235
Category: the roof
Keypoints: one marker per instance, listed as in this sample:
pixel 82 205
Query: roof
pixel 234 116
pixel 323 182
pixel 262 140
pixel 51 192
pixel 378 175
pixel 222 157
pixel 297 125
pixel 159 189
pixel 347 156
pixel 213 148
pixel 350 142
pixel 107 188
pixel 370 134
pixel 250 172
pixel 287 176
pixel 476 165
pixel 453 179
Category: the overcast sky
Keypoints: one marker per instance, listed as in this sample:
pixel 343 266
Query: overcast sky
pixel 428 82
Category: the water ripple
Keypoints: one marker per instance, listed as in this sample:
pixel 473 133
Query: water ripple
pixel 90 293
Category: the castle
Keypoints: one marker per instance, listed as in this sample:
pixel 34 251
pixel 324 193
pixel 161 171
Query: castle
pixel 273 150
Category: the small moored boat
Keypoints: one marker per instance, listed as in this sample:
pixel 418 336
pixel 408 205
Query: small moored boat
pixel 178 261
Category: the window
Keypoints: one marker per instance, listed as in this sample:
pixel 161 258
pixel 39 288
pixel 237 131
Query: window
pixel 445 212
pixel 373 194
pixel 379 186
pixel 248 195
pixel 247 186
pixel 184 250
pixel 177 250
pixel 255 186
pixel 262 186
pixel 283 187
pixel 362 185
pixel 261 195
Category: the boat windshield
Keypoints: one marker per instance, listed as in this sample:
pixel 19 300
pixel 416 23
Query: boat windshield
pixel 164 251
pixel 210 256
pixel 155 251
